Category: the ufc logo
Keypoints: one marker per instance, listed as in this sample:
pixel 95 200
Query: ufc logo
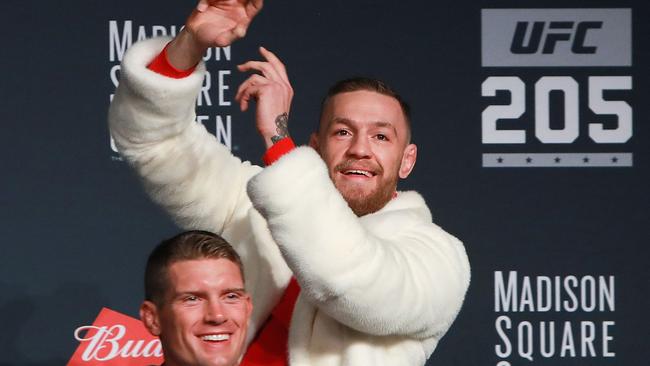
pixel 547 34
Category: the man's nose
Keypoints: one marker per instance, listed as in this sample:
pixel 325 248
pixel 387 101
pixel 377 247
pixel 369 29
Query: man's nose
pixel 214 313
pixel 359 147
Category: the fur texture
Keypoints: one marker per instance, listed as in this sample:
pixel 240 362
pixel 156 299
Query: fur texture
pixel 377 290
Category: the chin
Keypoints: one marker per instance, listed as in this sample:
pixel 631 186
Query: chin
pixel 363 203
pixel 366 204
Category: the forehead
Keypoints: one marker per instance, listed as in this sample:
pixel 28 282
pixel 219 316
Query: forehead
pixel 363 106
pixel 204 273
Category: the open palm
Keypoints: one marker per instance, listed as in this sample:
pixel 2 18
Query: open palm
pixel 220 22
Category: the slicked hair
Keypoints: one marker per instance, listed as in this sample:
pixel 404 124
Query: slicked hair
pixel 189 245
pixel 369 84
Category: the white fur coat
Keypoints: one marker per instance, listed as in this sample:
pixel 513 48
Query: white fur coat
pixel 377 290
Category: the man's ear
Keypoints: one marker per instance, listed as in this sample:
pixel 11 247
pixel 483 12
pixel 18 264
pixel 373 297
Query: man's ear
pixel 408 160
pixel 313 141
pixel 249 306
pixel 150 317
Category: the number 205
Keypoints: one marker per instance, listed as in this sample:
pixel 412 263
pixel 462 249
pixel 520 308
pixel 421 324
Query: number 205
pixel 569 87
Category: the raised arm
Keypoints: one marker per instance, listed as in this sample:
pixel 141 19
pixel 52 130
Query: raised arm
pixel 151 118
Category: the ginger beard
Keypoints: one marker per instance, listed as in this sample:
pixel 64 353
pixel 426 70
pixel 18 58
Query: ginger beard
pixel 362 200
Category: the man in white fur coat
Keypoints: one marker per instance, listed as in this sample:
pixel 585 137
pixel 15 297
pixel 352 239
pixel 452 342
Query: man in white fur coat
pixel 378 282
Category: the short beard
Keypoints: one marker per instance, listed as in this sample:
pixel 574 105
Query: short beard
pixel 360 203
pixel 373 202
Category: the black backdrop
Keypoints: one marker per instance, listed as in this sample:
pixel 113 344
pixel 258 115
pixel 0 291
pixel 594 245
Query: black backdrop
pixel 77 226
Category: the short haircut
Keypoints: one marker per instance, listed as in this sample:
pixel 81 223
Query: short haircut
pixel 189 245
pixel 369 84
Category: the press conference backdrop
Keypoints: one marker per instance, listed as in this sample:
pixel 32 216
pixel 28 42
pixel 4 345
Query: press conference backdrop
pixel 531 119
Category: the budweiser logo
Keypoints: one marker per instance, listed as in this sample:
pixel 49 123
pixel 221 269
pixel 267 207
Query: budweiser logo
pixel 104 344
pixel 115 339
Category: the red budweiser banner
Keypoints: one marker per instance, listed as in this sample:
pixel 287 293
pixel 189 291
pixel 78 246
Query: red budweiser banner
pixel 115 339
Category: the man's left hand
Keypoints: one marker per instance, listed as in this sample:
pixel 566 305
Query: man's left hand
pixel 272 91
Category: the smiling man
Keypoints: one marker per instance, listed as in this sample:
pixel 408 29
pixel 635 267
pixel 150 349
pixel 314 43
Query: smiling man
pixel 343 269
pixel 196 302
pixel 364 139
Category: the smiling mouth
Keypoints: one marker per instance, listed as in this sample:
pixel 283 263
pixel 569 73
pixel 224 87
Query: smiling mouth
pixel 216 337
pixel 358 172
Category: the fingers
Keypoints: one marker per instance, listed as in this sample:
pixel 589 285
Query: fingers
pixel 239 31
pixel 270 87
pixel 251 92
pixel 250 89
pixel 238 17
pixel 265 68
pixel 245 98
pixel 277 64
pixel 273 68
pixel 202 6
pixel 253 7
pixel 254 79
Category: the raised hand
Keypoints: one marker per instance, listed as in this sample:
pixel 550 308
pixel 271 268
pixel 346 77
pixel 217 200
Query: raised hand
pixel 213 23
pixel 217 23
pixel 272 91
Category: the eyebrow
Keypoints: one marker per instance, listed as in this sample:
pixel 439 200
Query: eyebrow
pixel 200 292
pixel 235 290
pixel 350 122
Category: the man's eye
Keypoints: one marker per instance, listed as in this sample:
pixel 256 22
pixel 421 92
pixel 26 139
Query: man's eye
pixel 341 133
pixel 233 296
pixel 382 137
pixel 191 298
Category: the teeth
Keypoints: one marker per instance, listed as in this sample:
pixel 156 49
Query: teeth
pixel 216 337
pixel 362 172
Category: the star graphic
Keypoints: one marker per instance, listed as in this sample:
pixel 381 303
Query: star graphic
pixel 499 160
pixel 557 159
pixel 614 159
pixel 529 160
pixel 585 159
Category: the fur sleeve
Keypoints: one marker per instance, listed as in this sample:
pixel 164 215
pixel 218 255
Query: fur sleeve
pixel 388 273
pixel 184 168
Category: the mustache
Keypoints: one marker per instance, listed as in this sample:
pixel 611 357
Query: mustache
pixel 359 164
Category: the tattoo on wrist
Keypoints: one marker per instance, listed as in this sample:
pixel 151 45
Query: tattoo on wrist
pixel 281 127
